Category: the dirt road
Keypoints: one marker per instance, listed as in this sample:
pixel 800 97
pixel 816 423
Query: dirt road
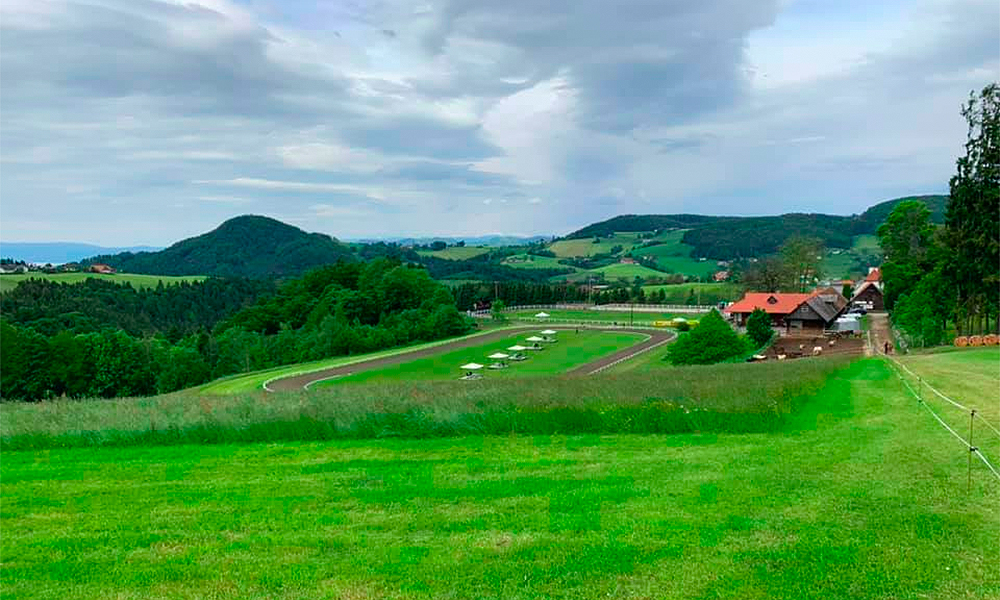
pixel 299 382
pixel 878 325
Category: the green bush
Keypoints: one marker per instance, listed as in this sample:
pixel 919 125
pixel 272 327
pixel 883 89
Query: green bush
pixel 712 341
pixel 759 327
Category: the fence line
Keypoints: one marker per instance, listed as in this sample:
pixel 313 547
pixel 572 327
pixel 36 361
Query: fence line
pixel 972 449
pixel 976 413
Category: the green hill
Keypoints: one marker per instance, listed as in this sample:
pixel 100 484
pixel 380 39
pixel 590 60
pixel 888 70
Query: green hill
pixel 732 237
pixel 248 246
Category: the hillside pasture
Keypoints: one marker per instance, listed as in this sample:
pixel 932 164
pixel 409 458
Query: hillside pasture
pixel 9 282
pixel 573 349
pixel 674 256
pixel 456 252
pixel 530 261
pixel 587 247
pixel 855 493
pixel 616 271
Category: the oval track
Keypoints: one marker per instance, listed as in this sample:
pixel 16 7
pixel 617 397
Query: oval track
pixel 299 382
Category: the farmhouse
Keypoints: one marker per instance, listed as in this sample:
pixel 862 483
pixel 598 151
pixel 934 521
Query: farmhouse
pixel 721 276
pixel 628 260
pixel 102 269
pixel 869 292
pixel 793 312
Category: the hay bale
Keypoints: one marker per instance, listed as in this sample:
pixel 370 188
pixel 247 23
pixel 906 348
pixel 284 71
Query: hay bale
pixel 991 340
pixel 976 340
pixel 961 341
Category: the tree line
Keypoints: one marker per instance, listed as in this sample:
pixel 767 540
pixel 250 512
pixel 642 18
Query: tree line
pixel 341 309
pixel 939 278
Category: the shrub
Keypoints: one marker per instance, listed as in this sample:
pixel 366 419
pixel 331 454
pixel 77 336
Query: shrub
pixel 759 327
pixel 711 342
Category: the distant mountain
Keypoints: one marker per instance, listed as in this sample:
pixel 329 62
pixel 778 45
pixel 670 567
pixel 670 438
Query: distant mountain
pixel 732 237
pixel 495 240
pixel 60 252
pixel 249 246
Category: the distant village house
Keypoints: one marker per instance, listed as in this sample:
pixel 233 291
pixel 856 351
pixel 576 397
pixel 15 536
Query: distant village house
pixel 869 293
pixel 102 269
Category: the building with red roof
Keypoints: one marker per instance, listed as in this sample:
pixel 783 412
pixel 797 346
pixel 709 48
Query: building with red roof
pixel 869 294
pixel 794 312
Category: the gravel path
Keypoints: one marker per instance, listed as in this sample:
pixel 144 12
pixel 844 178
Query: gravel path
pixel 299 382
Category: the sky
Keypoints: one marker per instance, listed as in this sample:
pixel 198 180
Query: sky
pixel 144 122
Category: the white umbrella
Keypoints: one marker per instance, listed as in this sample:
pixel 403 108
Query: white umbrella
pixel 498 356
pixel 471 367
pixel 518 348
pixel 542 315
pixel 535 338
pixel 549 332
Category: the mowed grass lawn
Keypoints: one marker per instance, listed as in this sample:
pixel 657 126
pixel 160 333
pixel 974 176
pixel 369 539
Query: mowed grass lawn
pixel 619 316
pixel 572 350
pixel 969 376
pixel 862 496
pixel 9 282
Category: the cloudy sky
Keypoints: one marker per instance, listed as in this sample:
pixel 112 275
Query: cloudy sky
pixel 142 121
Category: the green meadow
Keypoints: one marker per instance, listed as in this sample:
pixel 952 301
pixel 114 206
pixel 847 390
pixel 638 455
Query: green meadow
pixel 851 490
pixel 674 256
pixel 573 349
pixel 530 261
pixel 9 282
pixel 587 247
pixel 456 252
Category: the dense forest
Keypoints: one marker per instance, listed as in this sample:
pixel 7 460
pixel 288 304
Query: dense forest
pixel 725 238
pixel 57 340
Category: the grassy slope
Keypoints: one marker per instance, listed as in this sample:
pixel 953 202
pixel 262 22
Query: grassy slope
pixel 9 282
pixel 846 263
pixel 674 256
pixel 863 496
pixel 572 350
pixel 587 247
pixel 455 252
pixel 612 271
pixel 970 376
pixel 528 261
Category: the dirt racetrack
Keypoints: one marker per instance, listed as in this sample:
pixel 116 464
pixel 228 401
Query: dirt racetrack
pixel 299 382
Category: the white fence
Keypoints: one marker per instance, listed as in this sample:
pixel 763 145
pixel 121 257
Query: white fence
pixel 636 308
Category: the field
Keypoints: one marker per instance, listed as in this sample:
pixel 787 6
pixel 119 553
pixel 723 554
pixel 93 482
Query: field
pixel 705 293
pixel 971 377
pixel 852 263
pixel 557 315
pixel 9 282
pixel 572 350
pixel 612 271
pixel 674 256
pixel 456 252
pixel 530 261
pixel 857 493
pixel 587 247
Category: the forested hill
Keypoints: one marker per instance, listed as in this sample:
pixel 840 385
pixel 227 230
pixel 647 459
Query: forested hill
pixel 732 237
pixel 246 246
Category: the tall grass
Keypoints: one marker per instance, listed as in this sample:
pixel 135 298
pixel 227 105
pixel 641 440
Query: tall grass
pixel 712 399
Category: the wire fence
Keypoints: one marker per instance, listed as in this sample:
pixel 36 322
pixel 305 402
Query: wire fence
pixel 898 368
